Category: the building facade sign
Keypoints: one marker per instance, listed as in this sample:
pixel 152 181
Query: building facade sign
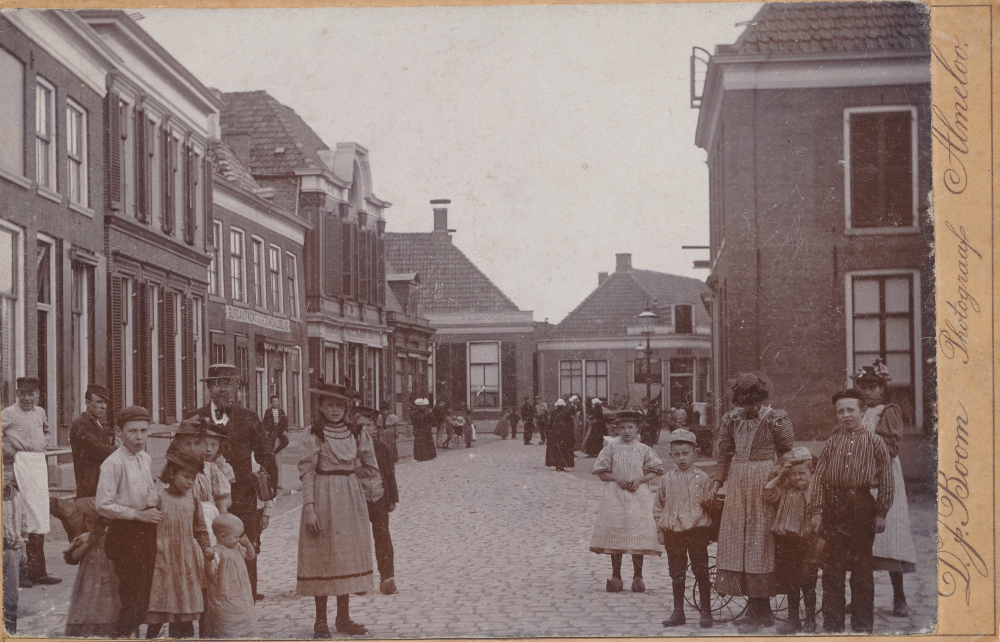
pixel 267 321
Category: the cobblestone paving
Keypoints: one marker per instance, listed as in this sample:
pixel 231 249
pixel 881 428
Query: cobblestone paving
pixel 490 543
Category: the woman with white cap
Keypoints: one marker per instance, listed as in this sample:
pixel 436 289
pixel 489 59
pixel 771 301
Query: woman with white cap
pixel 594 441
pixel 423 437
pixel 559 448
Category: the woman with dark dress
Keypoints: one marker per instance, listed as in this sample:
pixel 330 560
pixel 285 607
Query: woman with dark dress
pixel 751 439
pixel 559 449
pixel 598 429
pixel 423 432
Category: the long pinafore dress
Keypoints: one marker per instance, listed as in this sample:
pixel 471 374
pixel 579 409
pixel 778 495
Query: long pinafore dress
pixel 338 559
pixel 893 549
pixel 179 573
pixel 625 521
pixel 748 449
pixel 229 609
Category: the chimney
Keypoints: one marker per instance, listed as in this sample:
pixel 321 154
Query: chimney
pixel 601 278
pixel 440 214
pixel 623 262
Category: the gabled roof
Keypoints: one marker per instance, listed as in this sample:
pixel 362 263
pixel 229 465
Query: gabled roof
pixel 815 27
pixel 613 307
pixel 280 141
pixel 450 281
pixel 225 164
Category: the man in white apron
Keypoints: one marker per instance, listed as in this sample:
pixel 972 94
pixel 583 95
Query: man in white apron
pixel 25 436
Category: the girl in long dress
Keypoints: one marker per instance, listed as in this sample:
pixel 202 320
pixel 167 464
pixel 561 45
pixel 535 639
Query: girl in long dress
pixel 181 549
pixel 625 524
pixel 751 439
pixel 335 539
pixel 893 549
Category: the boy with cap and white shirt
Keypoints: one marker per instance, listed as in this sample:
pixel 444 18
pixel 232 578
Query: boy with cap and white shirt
pixel 683 524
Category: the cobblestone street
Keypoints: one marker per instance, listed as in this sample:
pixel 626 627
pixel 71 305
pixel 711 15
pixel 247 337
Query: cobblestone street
pixel 489 542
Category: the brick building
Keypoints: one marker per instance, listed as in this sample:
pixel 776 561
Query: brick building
pixel 598 350
pixel 483 344
pixel 344 267
pixel 410 344
pixel 255 310
pixel 816 125
pixel 157 122
pixel 53 321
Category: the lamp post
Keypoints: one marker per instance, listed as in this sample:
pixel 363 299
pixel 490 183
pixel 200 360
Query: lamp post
pixel 647 324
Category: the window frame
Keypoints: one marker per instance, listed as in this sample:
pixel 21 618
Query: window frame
pixel 914 168
pixel 484 364
pixel 571 370
pixel 916 357
pixel 278 291
pixel 293 284
pixel 214 267
pixel 49 138
pixel 237 263
pixel 80 159
pixel 596 377
pixel 257 265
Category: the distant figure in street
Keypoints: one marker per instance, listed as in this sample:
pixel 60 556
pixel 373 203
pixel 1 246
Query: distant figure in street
pixel 542 419
pixel 25 430
pixel 423 437
pixel 513 419
pixel 598 429
pixel 382 495
pixel 625 523
pixel 335 538
pixel 276 424
pixel 469 429
pixel 559 450
pixel 386 431
pixel 528 417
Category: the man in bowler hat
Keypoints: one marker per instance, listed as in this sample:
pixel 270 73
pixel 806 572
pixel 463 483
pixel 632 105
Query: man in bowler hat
pixel 247 438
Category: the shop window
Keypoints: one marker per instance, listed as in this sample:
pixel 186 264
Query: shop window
pixel 484 375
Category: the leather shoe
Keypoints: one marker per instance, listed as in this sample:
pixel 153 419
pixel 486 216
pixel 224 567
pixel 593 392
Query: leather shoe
pixel 615 585
pixel 47 579
pixel 25 583
pixel 638 586
pixel 705 620
pixel 321 631
pixel 388 586
pixel 899 608
pixel 257 597
pixel 351 627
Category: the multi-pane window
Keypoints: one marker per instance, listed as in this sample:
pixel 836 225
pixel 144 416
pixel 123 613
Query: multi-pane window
pixel 274 277
pixel 84 361
pixel 570 377
pixel 76 153
pixel 484 375
pixel 597 379
pixel 11 327
pixel 883 324
pixel 45 140
pixel 292 290
pixel 218 353
pixel 682 382
pixel 258 272
pixel 682 319
pixel 236 265
pixel 881 173
pixel 652 366
pixel 11 115
pixel 214 282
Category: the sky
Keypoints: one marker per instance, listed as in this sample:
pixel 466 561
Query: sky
pixel 563 135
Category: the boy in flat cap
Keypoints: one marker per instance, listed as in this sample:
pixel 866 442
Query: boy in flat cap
pixel 127 495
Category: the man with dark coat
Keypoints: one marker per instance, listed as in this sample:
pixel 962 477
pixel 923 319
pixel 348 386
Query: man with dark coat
pixel 246 438
pixel 276 424
pixel 528 417
pixel 91 440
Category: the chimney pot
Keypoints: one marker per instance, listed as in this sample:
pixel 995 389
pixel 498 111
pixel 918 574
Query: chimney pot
pixel 623 262
pixel 601 278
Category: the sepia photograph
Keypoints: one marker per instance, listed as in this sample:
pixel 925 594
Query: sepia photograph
pixel 488 321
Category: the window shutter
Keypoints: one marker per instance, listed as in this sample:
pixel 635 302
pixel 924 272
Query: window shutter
pixel 117 345
pixel 347 258
pixel 112 151
pixel 169 367
pixel 355 265
pixel 142 341
pixel 142 167
pixel 209 205
pixel 380 271
pixel 190 373
pixel 363 271
pixel 189 185
pixel 169 157
pixel 333 259
pixel 508 373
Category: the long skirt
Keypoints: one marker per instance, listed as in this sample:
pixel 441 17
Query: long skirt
pixel 594 442
pixel 94 602
pixel 893 549
pixel 745 562
pixel 625 522
pixel 423 444
pixel 338 559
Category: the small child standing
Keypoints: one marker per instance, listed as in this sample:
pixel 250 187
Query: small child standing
pixel 229 604
pixel 684 524
pixel 789 489
pixel 182 545
pixel 625 523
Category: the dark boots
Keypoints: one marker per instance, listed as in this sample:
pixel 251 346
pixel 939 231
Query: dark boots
pixel 677 617
pixel 809 621
pixel 705 597
pixel 793 625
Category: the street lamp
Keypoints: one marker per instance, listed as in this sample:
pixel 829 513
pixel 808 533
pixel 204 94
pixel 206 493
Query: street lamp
pixel 647 325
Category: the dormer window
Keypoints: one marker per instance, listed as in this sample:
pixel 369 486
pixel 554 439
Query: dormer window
pixel 682 319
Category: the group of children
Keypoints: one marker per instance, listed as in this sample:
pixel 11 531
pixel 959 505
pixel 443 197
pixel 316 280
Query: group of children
pixel 176 555
pixel 632 519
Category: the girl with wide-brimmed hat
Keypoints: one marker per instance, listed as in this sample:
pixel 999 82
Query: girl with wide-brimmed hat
pixel 335 540
pixel 751 439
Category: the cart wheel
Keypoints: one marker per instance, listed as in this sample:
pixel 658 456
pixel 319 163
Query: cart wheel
pixel 725 608
pixel 779 606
